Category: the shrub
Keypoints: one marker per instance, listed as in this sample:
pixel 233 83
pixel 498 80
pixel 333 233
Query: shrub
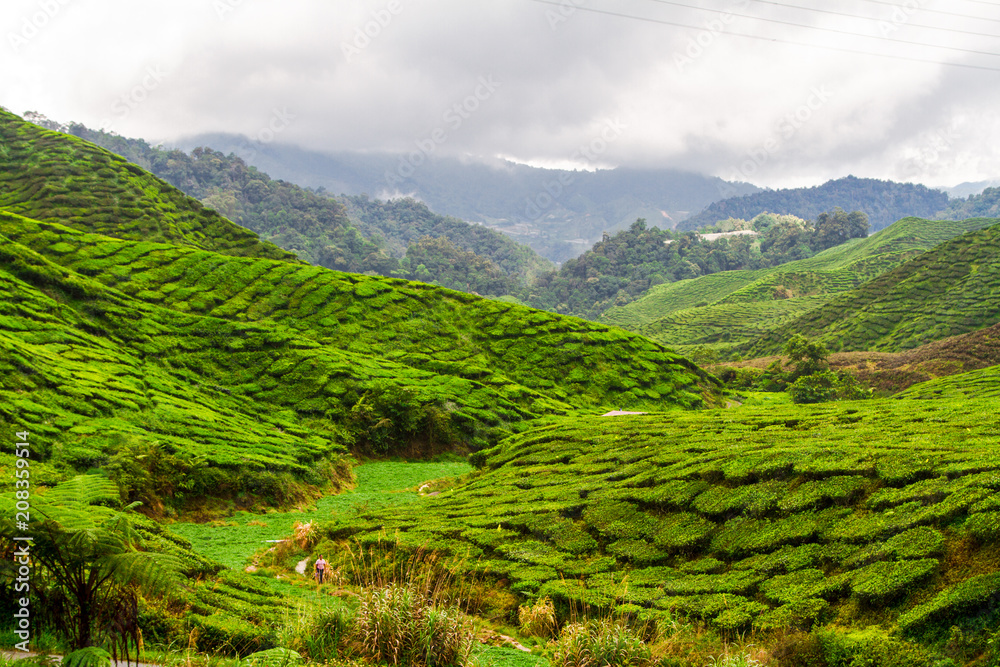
pixel 817 387
pixel 602 642
pixel 91 656
pixel 275 657
pixel 963 599
pixel 881 583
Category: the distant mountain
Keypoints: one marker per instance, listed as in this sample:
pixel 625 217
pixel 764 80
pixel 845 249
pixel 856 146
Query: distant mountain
pixel 968 189
pixel 560 214
pixel 885 202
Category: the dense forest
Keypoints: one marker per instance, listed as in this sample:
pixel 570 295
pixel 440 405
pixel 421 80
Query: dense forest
pixel 884 202
pixel 984 205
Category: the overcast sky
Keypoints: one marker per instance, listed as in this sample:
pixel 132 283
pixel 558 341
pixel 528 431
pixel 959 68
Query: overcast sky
pixel 740 89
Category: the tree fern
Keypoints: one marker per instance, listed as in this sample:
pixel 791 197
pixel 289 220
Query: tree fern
pixel 90 564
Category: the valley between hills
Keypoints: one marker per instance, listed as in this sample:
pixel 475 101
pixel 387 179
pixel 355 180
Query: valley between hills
pixel 193 416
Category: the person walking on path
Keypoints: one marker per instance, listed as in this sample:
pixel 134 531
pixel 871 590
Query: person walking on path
pixel 320 569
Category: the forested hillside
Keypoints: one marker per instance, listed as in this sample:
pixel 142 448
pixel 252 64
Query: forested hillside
pixel 400 238
pixel 983 205
pixel 884 202
pixel 558 213
pixel 623 267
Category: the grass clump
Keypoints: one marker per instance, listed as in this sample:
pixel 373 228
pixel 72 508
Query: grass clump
pixel 538 619
pixel 604 642
pixel 400 625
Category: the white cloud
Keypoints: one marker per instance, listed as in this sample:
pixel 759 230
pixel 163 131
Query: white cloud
pixel 384 74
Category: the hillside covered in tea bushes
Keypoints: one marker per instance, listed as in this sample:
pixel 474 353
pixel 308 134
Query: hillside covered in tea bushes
pixel 733 310
pixel 877 517
pixel 243 372
pixel 947 291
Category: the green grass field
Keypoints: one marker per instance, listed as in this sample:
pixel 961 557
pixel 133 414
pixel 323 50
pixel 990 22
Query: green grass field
pixel 235 539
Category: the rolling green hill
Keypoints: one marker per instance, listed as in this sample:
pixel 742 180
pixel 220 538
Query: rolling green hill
pixel 50 176
pixel 263 367
pixel 947 291
pixel 732 310
pixel 877 515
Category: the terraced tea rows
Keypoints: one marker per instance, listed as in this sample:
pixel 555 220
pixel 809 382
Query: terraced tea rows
pixel 436 330
pixel 699 312
pixel 946 292
pixel 228 407
pixel 771 518
pixel 55 177
pixel 126 350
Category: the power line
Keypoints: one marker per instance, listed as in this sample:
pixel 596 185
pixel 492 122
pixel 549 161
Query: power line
pixel 937 11
pixel 869 18
pixel 831 30
pixel 645 19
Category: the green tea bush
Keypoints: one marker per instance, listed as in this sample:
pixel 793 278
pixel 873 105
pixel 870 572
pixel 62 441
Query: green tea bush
pixel 882 583
pixel 229 635
pixel 869 647
pixel 964 600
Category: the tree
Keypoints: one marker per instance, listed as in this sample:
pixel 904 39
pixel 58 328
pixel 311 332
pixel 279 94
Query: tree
pixel 838 226
pixel 808 357
pixel 89 566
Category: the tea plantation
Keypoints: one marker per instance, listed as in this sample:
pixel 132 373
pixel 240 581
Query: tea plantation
pixel 252 376
pixel 733 310
pixel 948 291
pixel 158 353
pixel 877 513
pixel 56 177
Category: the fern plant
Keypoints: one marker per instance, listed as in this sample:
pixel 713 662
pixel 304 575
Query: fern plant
pixel 90 567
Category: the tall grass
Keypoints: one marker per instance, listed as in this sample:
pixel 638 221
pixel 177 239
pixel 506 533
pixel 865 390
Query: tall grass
pixel 602 642
pixel 539 619
pixel 441 580
pixel 411 610
pixel 401 625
